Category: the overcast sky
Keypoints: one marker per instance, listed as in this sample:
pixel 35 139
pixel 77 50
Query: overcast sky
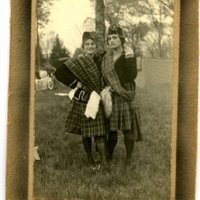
pixel 66 19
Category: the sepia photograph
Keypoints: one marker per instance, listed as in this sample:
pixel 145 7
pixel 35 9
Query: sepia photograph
pixel 105 91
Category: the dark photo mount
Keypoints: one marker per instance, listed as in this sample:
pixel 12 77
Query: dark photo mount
pixel 18 183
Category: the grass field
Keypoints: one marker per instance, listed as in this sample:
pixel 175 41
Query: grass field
pixel 148 178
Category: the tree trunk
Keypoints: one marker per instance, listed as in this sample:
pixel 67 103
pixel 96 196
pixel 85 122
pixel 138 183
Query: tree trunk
pixel 100 23
pixel 160 44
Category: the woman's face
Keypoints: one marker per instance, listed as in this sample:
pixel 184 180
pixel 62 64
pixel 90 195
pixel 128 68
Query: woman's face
pixel 114 41
pixel 89 46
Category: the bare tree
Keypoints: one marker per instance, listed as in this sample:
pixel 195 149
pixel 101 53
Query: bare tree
pixel 42 14
pixel 168 3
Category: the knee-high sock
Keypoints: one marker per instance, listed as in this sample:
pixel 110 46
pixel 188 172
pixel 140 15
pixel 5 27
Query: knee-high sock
pixel 129 145
pixel 112 141
pixel 87 143
pixel 101 146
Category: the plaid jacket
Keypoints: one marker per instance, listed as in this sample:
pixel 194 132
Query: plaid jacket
pixel 85 69
pixel 87 72
pixel 125 113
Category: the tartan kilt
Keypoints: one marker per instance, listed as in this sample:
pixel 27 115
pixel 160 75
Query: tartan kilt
pixel 126 116
pixel 77 123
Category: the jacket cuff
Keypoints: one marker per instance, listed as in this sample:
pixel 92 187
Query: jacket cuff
pixel 129 56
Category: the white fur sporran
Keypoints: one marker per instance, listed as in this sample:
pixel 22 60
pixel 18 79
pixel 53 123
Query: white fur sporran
pixel 106 98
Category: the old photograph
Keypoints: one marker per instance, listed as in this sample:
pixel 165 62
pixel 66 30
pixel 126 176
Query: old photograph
pixel 103 99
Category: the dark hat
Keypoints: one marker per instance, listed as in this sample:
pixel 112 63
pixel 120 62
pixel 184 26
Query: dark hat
pixel 88 35
pixel 114 29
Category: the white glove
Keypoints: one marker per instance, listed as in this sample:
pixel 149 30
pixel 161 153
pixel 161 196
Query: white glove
pixel 128 51
pixel 72 92
pixel 92 105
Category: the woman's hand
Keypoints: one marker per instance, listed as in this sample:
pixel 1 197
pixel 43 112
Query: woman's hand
pixel 128 51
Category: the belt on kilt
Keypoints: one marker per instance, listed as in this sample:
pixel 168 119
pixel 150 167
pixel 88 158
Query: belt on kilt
pixel 81 95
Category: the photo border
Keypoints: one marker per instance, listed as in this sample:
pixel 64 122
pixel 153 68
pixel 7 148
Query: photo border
pixel 20 135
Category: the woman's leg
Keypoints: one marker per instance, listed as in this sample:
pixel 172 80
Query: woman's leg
pixel 87 143
pixel 129 145
pixel 112 141
pixel 101 146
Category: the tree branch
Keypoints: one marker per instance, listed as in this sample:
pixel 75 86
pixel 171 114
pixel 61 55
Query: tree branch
pixel 169 5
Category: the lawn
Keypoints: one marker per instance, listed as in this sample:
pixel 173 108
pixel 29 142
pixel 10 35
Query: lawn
pixel 62 172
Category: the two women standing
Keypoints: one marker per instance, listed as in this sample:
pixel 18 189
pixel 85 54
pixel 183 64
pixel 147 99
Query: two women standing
pixel 117 69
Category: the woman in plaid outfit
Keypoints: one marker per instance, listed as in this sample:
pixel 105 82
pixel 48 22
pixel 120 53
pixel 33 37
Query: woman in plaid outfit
pixel 119 71
pixel 85 114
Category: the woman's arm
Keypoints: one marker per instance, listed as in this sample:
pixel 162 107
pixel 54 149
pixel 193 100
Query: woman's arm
pixel 65 76
pixel 130 64
pixel 130 68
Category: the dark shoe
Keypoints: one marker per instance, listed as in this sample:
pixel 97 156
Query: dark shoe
pixel 127 162
pixel 109 158
pixel 90 162
pixel 105 168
